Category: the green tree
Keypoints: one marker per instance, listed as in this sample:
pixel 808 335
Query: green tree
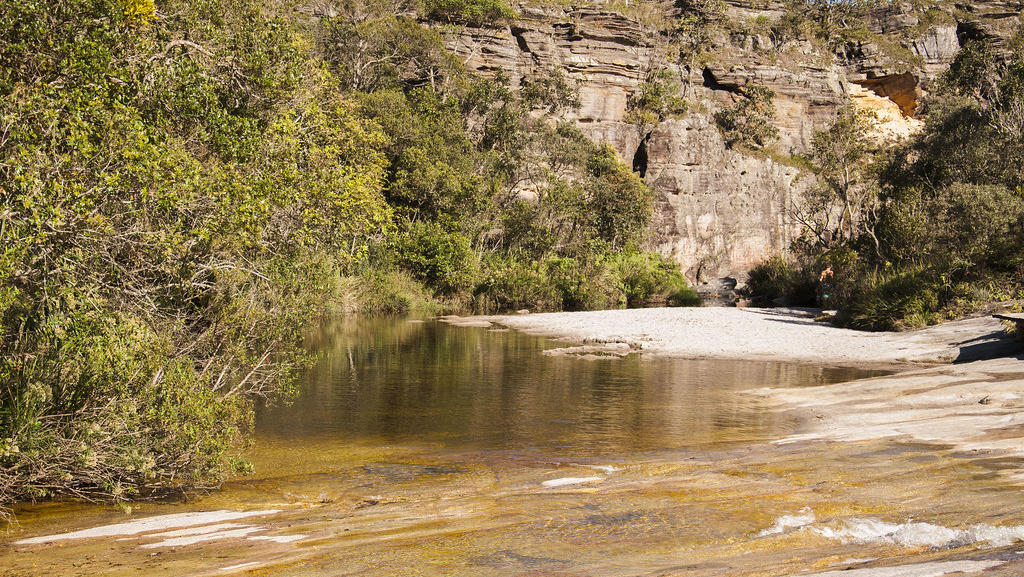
pixel 389 51
pixel 477 13
pixel 696 32
pixel 618 202
pixel 174 214
pixel 842 155
pixel 748 122
pixel 654 101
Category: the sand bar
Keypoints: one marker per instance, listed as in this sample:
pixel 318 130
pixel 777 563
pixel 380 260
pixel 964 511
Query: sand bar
pixel 765 334
pixel 959 384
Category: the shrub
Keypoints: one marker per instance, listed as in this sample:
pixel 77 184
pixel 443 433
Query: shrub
pixel 551 90
pixel 618 206
pixel 748 121
pixel 382 292
pixel 648 279
pixel 655 100
pixel 513 285
pixel 438 257
pixel 901 301
pixel 478 13
pixel 774 278
pixel 173 216
pixel 583 286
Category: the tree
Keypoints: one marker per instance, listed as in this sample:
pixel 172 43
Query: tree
pixel 842 155
pixel 748 121
pixel 696 31
pixel 654 101
pixel 387 52
pixel 831 16
pixel 172 215
pixel 477 13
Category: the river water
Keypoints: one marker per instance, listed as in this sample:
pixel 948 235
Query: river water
pixel 418 448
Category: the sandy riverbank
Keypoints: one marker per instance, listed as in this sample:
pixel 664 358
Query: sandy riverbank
pixel 974 405
pixel 765 334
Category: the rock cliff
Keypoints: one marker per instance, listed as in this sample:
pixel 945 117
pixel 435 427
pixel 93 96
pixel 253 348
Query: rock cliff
pixel 720 211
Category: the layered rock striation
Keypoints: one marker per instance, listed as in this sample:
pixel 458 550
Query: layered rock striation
pixel 720 211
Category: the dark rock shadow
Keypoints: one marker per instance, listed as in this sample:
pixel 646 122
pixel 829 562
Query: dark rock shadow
pixel 991 346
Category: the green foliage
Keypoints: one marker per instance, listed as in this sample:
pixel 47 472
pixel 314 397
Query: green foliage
pixel 511 284
pixel 432 162
pixel 386 51
pixel 582 283
pixel 778 277
pixel 843 156
pixel 973 71
pixel 174 214
pixel 904 300
pixel 748 121
pixel 655 100
pixel 441 258
pixel 696 31
pixel 393 292
pixel 832 21
pixel 477 13
pixel 939 229
pixel 186 186
pixel 618 203
pixel 648 279
pixel 551 90
pixel 960 227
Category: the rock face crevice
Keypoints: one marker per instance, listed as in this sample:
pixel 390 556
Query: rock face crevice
pixel 641 158
pixel 718 211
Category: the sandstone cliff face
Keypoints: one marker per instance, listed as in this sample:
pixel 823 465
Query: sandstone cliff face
pixel 719 211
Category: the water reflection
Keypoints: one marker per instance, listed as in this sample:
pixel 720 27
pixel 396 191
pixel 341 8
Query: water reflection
pixel 421 449
pixel 392 381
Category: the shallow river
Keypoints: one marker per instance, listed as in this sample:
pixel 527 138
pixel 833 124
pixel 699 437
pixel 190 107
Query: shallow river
pixel 416 448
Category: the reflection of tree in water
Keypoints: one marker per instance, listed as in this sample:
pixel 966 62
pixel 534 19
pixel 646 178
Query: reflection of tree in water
pixel 390 380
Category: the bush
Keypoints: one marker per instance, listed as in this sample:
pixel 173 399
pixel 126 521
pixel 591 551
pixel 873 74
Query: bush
pixel 778 277
pixel 618 204
pixel 478 13
pixel 383 292
pixel 174 214
pixel 442 259
pixel 904 300
pixel 655 100
pixel 514 285
pixel 748 122
pixel 648 279
pixel 583 286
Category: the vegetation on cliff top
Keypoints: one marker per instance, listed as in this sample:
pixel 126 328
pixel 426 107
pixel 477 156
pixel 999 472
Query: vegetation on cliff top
pixel 927 230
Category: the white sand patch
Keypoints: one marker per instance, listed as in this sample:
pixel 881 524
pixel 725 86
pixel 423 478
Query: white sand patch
pixel 191 531
pixel 149 524
pixel 193 539
pixel 570 481
pixel 278 538
pixel 753 334
pixel 240 566
pixel 937 569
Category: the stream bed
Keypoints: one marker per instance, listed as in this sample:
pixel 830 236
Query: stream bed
pixel 418 448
